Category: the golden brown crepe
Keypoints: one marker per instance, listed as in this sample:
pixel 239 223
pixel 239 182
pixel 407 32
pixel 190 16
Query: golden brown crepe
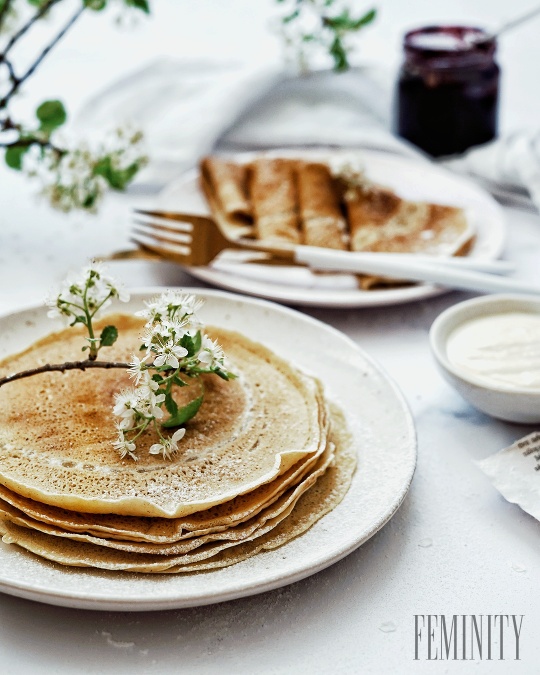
pixel 322 220
pixel 321 497
pixel 244 531
pixel 381 221
pixel 164 530
pixel 273 192
pixel 249 431
pixel 238 485
pixel 225 184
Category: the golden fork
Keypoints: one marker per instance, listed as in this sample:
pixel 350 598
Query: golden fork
pixel 195 241
pixel 192 240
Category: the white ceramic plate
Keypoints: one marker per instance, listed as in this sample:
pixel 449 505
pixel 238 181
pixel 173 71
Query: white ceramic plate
pixel 410 178
pixel 379 419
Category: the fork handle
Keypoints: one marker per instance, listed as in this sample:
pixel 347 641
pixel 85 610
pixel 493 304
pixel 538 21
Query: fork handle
pixel 443 275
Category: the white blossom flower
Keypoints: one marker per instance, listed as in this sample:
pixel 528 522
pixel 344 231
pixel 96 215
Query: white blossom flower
pixel 125 447
pixel 170 318
pixel 147 386
pixel 137 368
pixel 69 179
pixel 126 407
pixel 91 290
pixel 172 305
pixel 169 354
pixel 168 446
pixel 149 403
pixel 211 353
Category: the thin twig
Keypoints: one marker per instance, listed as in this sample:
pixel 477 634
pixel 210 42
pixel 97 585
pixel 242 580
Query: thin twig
pixel 9 66
pixel 62 367
pixel 23 29
pixel 19 81
pixel 26 142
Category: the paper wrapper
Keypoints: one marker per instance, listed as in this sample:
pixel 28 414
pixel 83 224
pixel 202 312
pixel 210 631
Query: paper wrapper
pixel 515 472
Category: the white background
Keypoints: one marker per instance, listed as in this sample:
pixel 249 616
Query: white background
pixel 484 553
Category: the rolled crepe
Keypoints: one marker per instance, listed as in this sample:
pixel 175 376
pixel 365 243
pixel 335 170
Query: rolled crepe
pixel 322 220
pixel 381 221
pixel 272 187
pixel 225 185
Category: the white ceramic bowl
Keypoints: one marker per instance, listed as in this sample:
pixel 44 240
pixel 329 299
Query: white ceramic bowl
pixel 505 403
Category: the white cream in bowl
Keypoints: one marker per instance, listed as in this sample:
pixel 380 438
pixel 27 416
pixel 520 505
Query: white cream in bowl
pixel 489 350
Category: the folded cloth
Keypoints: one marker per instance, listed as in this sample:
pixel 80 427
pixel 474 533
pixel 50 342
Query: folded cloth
pixel 509 167
pixel 187 109
pixel 182 107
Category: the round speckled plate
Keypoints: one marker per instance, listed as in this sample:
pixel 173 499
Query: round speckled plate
pixel 377 416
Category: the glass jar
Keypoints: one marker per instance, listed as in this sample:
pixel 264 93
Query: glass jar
pixel 448 89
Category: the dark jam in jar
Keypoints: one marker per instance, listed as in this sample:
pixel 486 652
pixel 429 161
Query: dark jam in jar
pixel 448 89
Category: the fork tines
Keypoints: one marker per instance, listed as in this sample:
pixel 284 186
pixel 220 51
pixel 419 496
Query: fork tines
pixel 169 242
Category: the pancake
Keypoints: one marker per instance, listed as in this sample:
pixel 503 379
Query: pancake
pixel 322 497
pixel 226 184
pixel 245 531
pixel 381 221
pixel 162 530
pixel 56 431
pixel 273 192
pixel 323 223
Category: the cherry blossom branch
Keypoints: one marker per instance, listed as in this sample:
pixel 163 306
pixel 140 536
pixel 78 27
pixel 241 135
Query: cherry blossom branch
pixel 23 29
pixel 18 81
pixel 62 367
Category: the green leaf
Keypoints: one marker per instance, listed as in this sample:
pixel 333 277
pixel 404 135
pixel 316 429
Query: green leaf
pixel 139 4
pixel 95 5
pixel 51 115
pixel 108 336
pixel 14 156
pixel 184 414
pixel 179 381
pixel 170 404
pixel 291 17
pixel 78 319
pixel 339 54
pixel 192 343
pixel 117 178
pixel 345 22
pixel 367 18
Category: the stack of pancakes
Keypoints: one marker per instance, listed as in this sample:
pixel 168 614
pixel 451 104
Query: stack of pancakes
pixel 262 461
pixel 291 201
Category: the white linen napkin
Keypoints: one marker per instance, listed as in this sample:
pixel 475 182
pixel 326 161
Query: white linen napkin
pixel 508 167
pixel 188 108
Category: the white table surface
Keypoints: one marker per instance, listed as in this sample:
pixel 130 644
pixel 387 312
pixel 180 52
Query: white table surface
pixel 484 553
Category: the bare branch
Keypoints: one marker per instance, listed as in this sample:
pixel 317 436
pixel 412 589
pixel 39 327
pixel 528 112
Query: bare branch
pixel 9 66
pixel 62 367
pixel 19 81
pixel 27 142
pixel 23 29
